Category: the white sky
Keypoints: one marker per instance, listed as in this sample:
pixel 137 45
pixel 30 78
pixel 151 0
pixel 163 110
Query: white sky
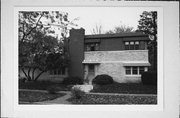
pixel 108 17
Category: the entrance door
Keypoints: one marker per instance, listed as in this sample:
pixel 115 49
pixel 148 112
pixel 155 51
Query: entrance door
pixel 91 72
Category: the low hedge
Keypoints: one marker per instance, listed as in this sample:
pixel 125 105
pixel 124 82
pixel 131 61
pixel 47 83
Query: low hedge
pixel 114 99
pixel 149 78
pixel 72 81
pixel 102 79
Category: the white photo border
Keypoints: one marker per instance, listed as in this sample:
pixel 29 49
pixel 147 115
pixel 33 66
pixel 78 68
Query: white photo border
pixel 124 110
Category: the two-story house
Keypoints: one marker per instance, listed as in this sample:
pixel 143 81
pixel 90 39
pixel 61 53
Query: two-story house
pixel 123 56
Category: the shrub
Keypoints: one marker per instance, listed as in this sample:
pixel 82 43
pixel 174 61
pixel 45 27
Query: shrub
pixel 52 89
pixel 76 92
pixel 22 80
pixel 102 79
pixel 72 80
pixel 149 78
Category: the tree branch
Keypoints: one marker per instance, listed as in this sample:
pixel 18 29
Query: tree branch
pixel 32 28
pixel 39 75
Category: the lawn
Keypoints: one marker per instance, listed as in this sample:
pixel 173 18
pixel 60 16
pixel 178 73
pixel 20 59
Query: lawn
pixel 131 88
pixel 114 99
pixel 126 88
pixel 43 85
pixel 29 96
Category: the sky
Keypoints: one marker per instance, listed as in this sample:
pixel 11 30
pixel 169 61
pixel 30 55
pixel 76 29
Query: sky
pixel 107 17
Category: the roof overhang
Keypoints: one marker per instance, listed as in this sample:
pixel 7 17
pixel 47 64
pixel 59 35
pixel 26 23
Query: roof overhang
pixel 135 63
pixel 90 62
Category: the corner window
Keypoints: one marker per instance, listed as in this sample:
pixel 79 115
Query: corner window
pixel 135 70
pixel 92 47
pixel 61 71
pixel 131 45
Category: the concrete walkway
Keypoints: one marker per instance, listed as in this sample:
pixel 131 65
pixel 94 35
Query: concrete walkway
pixel 60 100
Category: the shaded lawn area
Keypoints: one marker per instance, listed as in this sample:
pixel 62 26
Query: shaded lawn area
pixel 126 88
pixel 114 99
pixel 43 85
pixel 29 96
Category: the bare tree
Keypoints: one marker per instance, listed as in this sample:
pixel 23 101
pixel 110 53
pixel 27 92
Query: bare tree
pixel 120 29
pixel 97 30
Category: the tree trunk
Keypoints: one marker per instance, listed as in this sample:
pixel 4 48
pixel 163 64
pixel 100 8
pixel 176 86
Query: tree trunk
pixel 24 73
pixel 29 77
pixel 39 75
pixel 33 73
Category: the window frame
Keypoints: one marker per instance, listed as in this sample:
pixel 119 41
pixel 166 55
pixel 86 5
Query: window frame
pixel 92 47
pixel 132 45
pixel 137 68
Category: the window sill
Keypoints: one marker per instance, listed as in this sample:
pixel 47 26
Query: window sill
pixel 133 75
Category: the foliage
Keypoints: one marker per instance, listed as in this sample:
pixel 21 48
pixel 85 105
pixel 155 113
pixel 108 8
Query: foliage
pixel 77 92
pixel 72 81
pixel 126 88
pixel 52 89
pixel 120 29
pixel 102 79
pixel 115 99
pixel 149 78
pixel 39 46
pixel 148 25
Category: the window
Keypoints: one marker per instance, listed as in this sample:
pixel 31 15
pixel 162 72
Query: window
pixel 61 71
pixel 135 70
pixel 132 45
pixel 128 70
pixel 141 70
pixel 92 47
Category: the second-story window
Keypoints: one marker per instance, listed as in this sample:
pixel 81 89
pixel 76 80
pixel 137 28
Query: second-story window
pixel 92 47
pixel 132 45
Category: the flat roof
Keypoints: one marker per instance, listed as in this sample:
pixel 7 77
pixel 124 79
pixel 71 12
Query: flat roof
pixel 132 34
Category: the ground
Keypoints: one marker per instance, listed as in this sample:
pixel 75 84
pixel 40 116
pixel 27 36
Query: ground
pixel 115 93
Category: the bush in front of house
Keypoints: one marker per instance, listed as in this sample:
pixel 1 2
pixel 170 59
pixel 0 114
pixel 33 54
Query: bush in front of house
pixel 52 89
pixel 102 79
pixel 149 78
pixel 72 80
pixel 77 92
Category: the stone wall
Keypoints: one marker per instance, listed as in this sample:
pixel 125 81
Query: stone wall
pixel 126 55
pixel 111 63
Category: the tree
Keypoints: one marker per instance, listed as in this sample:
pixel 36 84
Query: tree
pixel 39 45
pixel 148 25
pixel 97 30
pixel 121 29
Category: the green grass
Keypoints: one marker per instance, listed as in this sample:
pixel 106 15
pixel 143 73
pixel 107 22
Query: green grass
pixel 29 96
pixel 114 99
pixel 131 88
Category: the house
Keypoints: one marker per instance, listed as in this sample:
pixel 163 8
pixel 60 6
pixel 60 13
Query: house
pixel 123 56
